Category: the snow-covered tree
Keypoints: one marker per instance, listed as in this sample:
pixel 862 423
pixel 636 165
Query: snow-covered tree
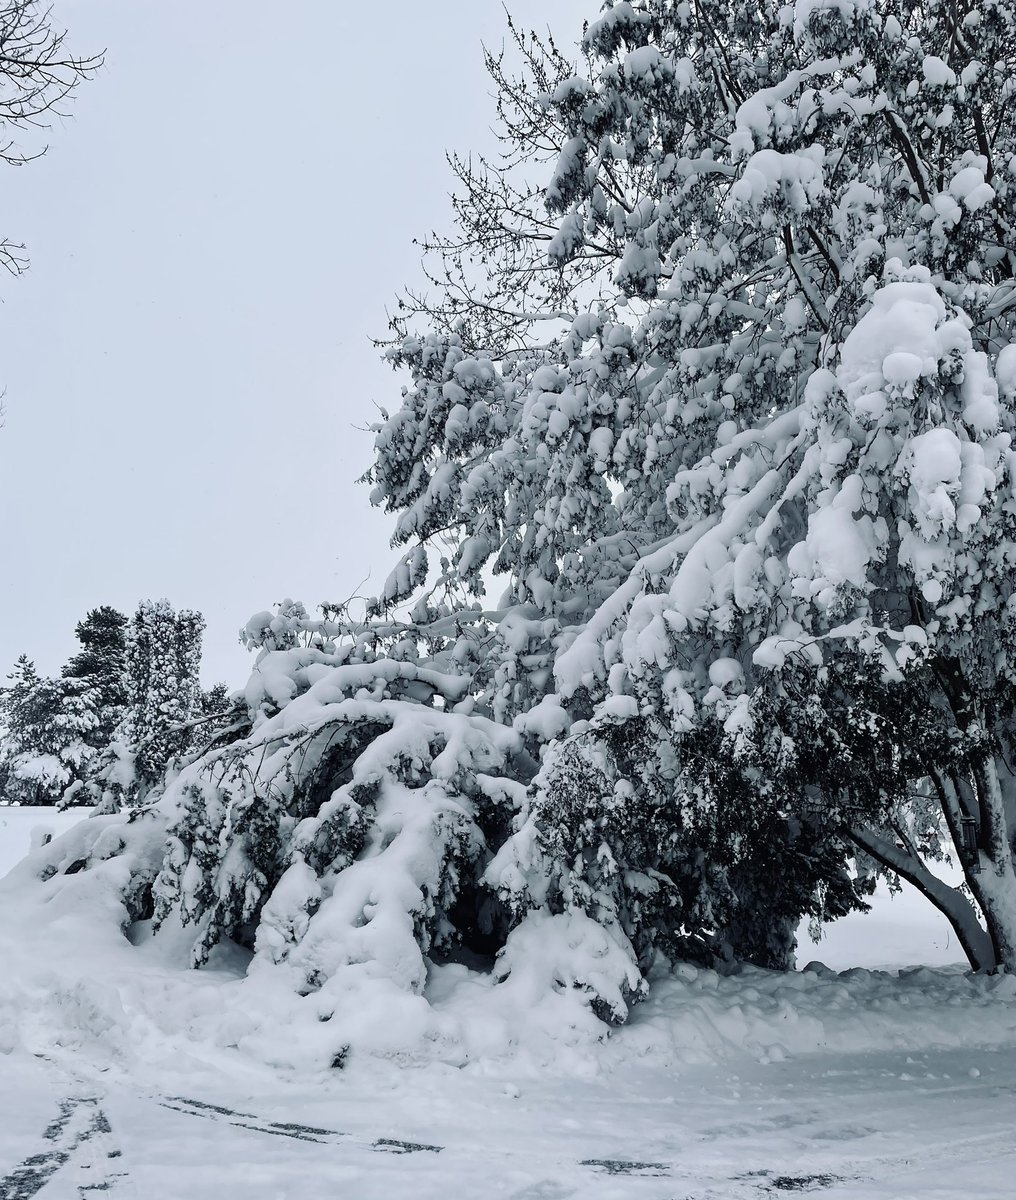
pixel 163 689
pixel 215 699
pixel 47 730
pixel 497 278
pixel 156 714
pixel 790 469
pixel 101 663
pixel 750 494
pixel 831 287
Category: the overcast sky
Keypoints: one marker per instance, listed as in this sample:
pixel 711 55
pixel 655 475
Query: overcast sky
pixel 215 234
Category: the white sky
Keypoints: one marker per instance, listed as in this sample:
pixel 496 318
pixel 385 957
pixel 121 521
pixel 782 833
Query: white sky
pixel 214 236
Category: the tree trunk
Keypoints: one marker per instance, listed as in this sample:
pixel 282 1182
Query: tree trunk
pixel 951 902
pixel 988 795
pixel 994 885
pixel 984 792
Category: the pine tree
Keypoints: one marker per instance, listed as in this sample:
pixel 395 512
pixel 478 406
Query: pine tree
pixel 101 663
pixel 163 690
pixel 23 678
pixel 48 728
pixel 215 699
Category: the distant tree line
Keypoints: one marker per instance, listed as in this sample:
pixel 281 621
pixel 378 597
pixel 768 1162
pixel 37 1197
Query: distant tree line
pixel 124 706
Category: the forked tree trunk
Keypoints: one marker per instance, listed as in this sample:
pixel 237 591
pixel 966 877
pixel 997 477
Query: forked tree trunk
pixel 950 901
pixel 988 795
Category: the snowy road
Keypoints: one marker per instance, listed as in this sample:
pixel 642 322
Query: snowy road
pixel 899 1125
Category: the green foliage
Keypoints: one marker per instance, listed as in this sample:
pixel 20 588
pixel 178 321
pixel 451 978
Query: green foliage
pixel 101 663
pixel 163 660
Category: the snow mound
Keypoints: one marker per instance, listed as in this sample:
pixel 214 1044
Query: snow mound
pixel 697 1016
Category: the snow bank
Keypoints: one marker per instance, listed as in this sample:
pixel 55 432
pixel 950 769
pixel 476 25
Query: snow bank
pixel 23 829
pixel 698 1016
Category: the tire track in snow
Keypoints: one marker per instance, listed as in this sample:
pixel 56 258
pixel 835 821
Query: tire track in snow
pixel 79 1123
pixel 764 1182
pixel 242 1120
pixel 291 1129
pixel 380 1145
pixel 78 1143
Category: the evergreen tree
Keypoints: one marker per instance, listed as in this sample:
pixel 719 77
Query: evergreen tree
pixel 162 716
pixel 24 678
pixel 163 690
pixel 127 705
pixel 48 726
pixel 101 662
pixel 215 699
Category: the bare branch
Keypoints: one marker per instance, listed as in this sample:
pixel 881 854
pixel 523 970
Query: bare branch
pixel 37 80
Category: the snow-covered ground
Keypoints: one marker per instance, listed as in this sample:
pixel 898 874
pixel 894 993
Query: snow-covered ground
pixel 117 1075
pixel 22 828
pixel 892 1126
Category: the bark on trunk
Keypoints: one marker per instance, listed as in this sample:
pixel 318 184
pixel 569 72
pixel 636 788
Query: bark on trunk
pixel 994 886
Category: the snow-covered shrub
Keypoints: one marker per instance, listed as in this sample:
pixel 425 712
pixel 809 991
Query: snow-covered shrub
pixel 669 847
pixel 588 847
pixel 350 827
